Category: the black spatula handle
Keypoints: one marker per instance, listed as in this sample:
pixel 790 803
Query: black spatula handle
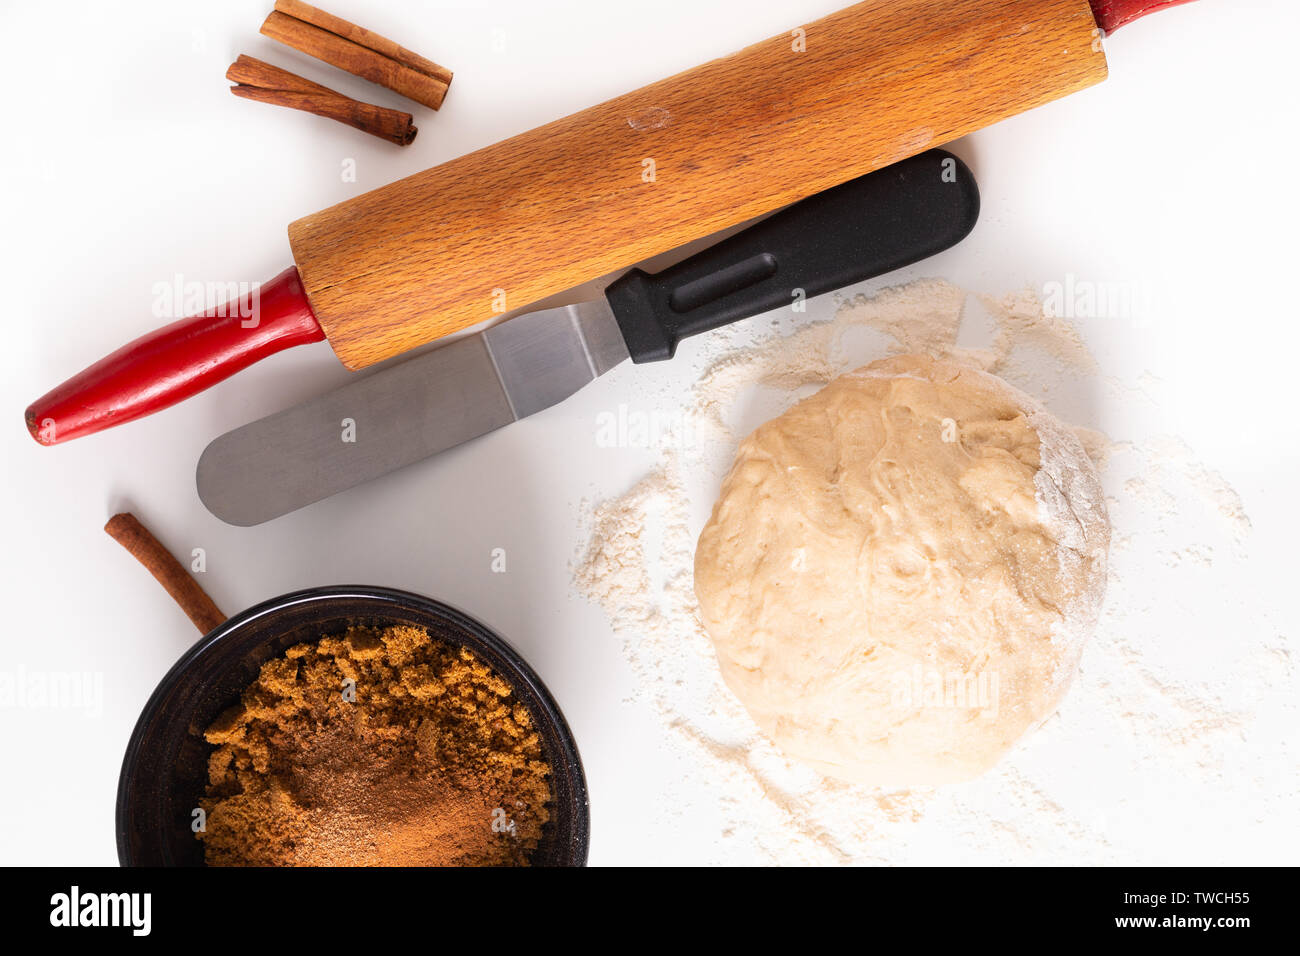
pixel 858 230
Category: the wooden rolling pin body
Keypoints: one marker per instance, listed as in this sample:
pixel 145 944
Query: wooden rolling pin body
pixel 732 139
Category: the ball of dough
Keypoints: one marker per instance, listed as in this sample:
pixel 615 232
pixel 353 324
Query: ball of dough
pixel 901 571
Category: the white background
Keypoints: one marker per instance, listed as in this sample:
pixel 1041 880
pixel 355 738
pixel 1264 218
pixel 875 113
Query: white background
pixel 125 161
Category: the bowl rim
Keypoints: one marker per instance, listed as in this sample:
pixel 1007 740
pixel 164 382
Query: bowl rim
pixel 395 596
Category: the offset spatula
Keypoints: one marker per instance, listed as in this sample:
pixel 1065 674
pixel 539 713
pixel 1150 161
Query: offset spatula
pixel 864 228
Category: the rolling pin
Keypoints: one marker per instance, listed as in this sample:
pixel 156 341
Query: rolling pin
pixel 615 184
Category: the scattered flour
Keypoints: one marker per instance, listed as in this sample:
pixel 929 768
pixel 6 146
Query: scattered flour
pixel 1159 716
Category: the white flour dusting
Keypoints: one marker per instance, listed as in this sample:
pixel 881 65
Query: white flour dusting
pixel 1149 741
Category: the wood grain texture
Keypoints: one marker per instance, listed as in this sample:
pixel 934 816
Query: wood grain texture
pixel 732 139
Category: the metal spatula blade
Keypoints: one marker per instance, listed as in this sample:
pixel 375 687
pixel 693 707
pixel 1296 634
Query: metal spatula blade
pixel 406 413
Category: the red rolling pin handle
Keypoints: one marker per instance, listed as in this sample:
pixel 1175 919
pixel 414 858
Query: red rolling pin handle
pixel 171 364
pixel 1113 14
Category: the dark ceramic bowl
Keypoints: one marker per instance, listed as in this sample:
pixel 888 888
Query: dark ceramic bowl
pixel 165 770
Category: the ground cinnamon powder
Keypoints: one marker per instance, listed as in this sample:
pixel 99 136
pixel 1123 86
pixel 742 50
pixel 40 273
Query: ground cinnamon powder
pixel 377 747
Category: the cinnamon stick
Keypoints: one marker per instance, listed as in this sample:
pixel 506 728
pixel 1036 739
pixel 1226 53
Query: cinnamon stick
pixel 265 83
pixel 127 530
pixel 357 50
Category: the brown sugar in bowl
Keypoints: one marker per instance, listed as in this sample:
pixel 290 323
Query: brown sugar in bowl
pixel 165 770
